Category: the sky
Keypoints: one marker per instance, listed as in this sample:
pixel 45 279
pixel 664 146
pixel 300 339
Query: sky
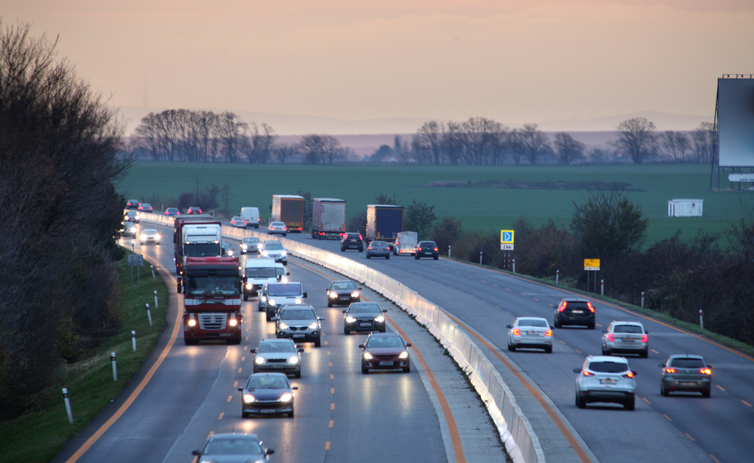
pixel 514 61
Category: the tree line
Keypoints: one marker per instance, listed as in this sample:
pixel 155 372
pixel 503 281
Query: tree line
pixel 203 136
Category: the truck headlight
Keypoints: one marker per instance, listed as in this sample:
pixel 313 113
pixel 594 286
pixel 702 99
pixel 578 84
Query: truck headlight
pixel 192 322
pixel 271 302
pixel 233 322
pixel 249 285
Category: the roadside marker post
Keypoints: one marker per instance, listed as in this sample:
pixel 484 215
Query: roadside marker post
pixel 67 405
pixel 133 339
pixel 115 366
pixel 149 315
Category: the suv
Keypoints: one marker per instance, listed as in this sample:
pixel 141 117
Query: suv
pixel 574 311
pixel 279 294
pixel 352 241
pixel 300 323
pixel 625 337
pixel 605 379
pixel 427 249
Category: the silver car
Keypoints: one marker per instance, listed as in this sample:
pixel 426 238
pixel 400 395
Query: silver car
pixel 300 323
pixel 605 379
pixel 277 228
pixel 233 448
pixel 250 245
pixel 530 332
pixel 625 338
pixel 277 355
pixel 274 250
pixel 686 373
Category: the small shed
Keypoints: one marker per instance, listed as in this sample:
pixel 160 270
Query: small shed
pixel 685 207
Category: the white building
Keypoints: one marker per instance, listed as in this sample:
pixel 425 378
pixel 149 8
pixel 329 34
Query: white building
pixel 685 207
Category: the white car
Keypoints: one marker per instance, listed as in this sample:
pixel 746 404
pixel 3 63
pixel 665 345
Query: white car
pixel 277 228
pixel 274 250
pixel 605 379
pixel 149 236
pixel 625 338
pixel 530 332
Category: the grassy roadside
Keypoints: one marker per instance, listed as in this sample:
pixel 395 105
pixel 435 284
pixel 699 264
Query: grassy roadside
pixel 39 436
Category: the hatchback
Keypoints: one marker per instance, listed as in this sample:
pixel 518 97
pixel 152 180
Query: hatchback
pixel 145 207
pixel 299 323
pixel 267 393
pixel 342 293
pixel 385 351
pixel 277 355
pixel 352 241
pixel 573 311
pixel 686 373
pixel 194 210
pixel 378 249
pixel 427 249
pixel 149 236
pixel 238 221
pixel 363 316
pixel 132 204
pixel 250 245
pixel 529 332
pixel 132 216
pixel 625 338
pixel 172 212
pixel 274 250
pixel 605 379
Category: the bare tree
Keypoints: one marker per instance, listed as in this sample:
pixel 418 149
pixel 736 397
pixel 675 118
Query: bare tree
pixel 232 131
pixel 636 139
pixel 332 149
pixel 705 142
pixel 676 145
pixel 533 141
pixel 283 152
pixel 430 136
pixel 260 148
pixel 567 149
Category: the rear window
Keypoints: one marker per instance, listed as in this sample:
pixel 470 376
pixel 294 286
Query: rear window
pixel 576 305
pixel 627 329
pixel 687 363
pixel 532 322
pixel 608 367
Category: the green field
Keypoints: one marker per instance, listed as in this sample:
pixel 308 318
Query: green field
pixel 480 204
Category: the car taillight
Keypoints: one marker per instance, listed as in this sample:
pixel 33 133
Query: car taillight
pixel 435 249
pixel 591 307
pixel 360 237
pixel 370 248
pixel 705 371
pixel 548 333
pixel 611 337
pixel 587 373
pixel 644 338
pixel 628 375
pixel 669 370
pixel 516 332
pixel 562 307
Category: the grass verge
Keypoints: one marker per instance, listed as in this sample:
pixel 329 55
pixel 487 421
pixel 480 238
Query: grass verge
pixel 38 436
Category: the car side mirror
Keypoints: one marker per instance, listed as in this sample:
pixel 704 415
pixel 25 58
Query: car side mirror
pixel 320 318
pixel 635 373
pixel 509 326
pixel 646 332
pixel 709 366
pixel 305 295
pixel 253 351
pixel 300 351
pixel 384 311
pixel 408 344
pixel 604 331
pixel 361 289
pixel 577 370
pixel 269 451
pixel 344 311
pixel 196 452
pixel 240 389
pixel 661 365
pixel 361 346
pixel 295 388
pixel 274 319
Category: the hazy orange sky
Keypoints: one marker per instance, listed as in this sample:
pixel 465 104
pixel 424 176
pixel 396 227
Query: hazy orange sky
pixel 514 61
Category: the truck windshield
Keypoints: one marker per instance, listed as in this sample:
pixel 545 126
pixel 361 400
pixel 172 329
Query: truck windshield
pixel 202 249
pixel 260 272
pixel 213 286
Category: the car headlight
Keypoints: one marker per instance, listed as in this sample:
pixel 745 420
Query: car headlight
pixel 272 302
pixel 287 397
pixel 404 355
pixel 284 253
pixel 233 322
pixel 367 356
pixel 294 360
pixel 260 360
pixel 355 294
pixel 262 298
pixel 143 236
pixel 248 398
pixel 333 294
pixel 350 319
pixel 157 237
pixel 379 319
pixel 283 326
pixel 249 285
pixel 244 247
pixel 265 253
pixel 313 326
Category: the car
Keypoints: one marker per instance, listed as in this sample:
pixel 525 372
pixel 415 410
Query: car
pixel 686 373
pixel 277 228
pixel 574 311
pixel 251 214
pixel 605 379
pixel 363 316
pixel 194 210
pixel 351 241
pixel 227 249
pixel 278 294
pixel 266 393
pixel 149 236
pixel 145 207
pixel 274 250
pixel 129 229
pixel 625 338
pixel 233 448
pixel 131 216
pixel 342 292
pixel 378 249
pixel 529 332
pixel 172 212
pixel 385 351
pixel 427 249
pixel 277 355
pixel 250 245
pixel 298 322
pixel 238 221
pixel 133 204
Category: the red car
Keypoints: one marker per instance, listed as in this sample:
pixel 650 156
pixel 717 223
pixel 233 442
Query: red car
pixel 385 351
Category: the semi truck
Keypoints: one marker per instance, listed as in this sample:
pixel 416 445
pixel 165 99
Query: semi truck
pixel 195 235
pixel 289 209
pixel 328 218
pixel 211 288
pixel 384 222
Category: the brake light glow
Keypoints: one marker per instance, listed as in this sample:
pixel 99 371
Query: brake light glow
pixel 669 370
pixel 548 333
pixel 644 338
pixel 360 237
pixel 705 371
pixel 562 307
pixel 587 373
pixel 591 307
pixel 435 249
pixel 516 332
pixel 628 375
pixel 611 337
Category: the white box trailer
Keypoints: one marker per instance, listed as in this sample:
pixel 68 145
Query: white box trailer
pixel 328 217
pixel 685 207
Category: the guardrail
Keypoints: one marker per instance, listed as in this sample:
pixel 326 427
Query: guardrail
pixel 515 430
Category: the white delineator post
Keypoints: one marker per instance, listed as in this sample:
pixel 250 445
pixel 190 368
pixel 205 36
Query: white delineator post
pixel 557 276
pixel 133 339
pixel 156 305
pixel 149 314
pixel 67 405
pixel 642 299
pixel 115 366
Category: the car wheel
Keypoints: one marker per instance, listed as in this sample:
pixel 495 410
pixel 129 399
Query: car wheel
pixel 590 326
pixel 269 319
pixel 190 342
pixel 298 374
pixel 511 348
pixel 382 330
pixel 361 249
pixel 644 354
pixel 285 234
pixel 329 304
pixel 244 414
pixel 664 391
pixel 342 249
pixel 290 414
pixel 416 257
pixel 364 369
pixel 346 331
pixel 580 401
pixel 387 257
pixel 604 352
pixel 630 404
pixel 706 394
pixel 368 256
pixel 556 323
pixel 437 257
pixel 261 309
pixel 318 342
pixel 548 349
pixel 407 369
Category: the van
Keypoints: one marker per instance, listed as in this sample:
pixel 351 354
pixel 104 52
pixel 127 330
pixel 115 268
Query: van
pixel 251 214
pixel 256 273
pixel 405 243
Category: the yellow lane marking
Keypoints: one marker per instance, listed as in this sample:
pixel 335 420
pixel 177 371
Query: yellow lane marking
pixel 243 359
pixel 235 384
pixel 331 375
pixel 654 351
pixel 719 387
pixel 221 415
pixel 561 341
pixel 332 406
pixel 714 458
pixel 747 403
pixel 332 390
pixel 230 397
pixel 325 342
pixel 667 417
pixel 645 400
pixel 211 433
pixel 328 352
pixel 577 351
pixel 329 364
pixel 536 299
pixel 331 423
pixel 483 281
pixel 240 369
pixel 508 289
pixel 494 284
pixel 327 445
pixel 689 436
pixel 523 294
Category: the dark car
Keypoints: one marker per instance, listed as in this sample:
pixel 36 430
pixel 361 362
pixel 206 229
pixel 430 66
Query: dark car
pixel 194 210
pixel 385 351
pixel 233 448
pixel 267 393
pixel 378 249
pixel 574 311
pixel 342 293
pixel 172 212
pixel 279 355
pixel 352 241
pixel 145 207
pixel 363 316
pixel 131 216
pixel 427 249
pixel 133 204
pixel 686 373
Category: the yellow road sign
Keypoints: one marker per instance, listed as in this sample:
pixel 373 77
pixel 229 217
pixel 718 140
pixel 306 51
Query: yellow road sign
pixel 591 264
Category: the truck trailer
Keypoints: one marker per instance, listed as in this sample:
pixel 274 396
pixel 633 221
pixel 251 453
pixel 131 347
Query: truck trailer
pixel 204 238
pixel 328 218
pixel 384 222
pixel 289 209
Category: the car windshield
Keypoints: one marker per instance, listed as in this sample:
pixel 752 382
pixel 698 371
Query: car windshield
pixel 627 329
pixel 385 341
pixel 233 446
pixel 202 249
pixel 250 240
pixel 212 286
pixel 345 285
pixel 284 289
pixel 260 272
pixel 687 363
pixel 365 309
pixel 267 382
pixel 532 322
pixel 298 314
pixel 276 346
pixel 608 367
pixel 273 246
pixel 150 232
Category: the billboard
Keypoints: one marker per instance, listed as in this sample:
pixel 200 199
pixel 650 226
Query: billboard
pixel 735 121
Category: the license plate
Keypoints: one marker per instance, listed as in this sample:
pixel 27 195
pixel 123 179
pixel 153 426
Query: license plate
pixel 299 335
pixel 533 333
pixel 364 325
pixel 577 311
pixel 224 334
pixel 607 381
pixel 687 383
pixel 628 339
pixel 385 364
pixel 267 410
